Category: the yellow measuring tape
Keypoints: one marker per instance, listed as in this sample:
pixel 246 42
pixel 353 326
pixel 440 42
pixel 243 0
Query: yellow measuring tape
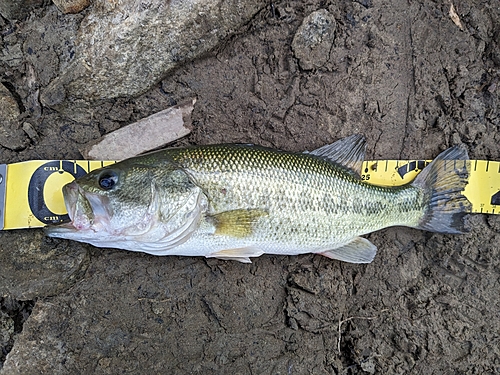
pixel 483 189
pixel 31 196
pixel 31 191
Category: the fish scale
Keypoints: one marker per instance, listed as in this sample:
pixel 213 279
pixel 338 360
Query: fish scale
pixel 241 201
pixel 315 197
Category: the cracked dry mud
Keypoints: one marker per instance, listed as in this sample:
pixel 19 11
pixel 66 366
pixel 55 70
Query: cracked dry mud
pixel 401 73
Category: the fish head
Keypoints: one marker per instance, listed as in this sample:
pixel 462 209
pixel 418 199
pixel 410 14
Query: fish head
pixel 100 201
pixel 128 203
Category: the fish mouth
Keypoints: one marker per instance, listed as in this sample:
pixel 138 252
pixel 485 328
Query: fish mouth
pixel 71 193
pixel 87 211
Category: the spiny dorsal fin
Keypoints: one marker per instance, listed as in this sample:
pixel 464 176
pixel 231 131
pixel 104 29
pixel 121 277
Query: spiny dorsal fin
pixel 348 152
pixel 237 223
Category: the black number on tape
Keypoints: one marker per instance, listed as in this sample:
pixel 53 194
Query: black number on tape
pixel 495 199
pixel 36 186
pixel 412 166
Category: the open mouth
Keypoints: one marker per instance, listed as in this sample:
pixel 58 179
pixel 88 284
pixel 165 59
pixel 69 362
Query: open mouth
pixel 71 192
pixel 86 210
pixel 79 208
pixel 74 202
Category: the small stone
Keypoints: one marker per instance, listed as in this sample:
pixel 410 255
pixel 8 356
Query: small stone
pixel 492 87
pixel 314 39
pixel 104 362
pixel 455 139
pixel 368 366
pixel 30 131
pixel 292 323
pixel 71 6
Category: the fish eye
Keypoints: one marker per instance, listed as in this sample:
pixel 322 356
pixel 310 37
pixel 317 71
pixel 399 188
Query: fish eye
pixel 108 180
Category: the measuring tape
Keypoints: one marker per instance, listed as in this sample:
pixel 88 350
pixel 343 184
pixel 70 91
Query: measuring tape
pixel 31 195
pixel 31 191
pixel 482 191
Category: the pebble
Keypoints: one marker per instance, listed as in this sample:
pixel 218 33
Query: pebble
pixel 71 6
pixel 314 39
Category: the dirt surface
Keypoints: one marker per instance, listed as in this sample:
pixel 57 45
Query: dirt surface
pixel 400 72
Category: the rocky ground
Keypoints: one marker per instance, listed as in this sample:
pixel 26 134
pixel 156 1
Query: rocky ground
pixel 292 75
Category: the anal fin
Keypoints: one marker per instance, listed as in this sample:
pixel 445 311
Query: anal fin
pixel 359 250
pixel 242 254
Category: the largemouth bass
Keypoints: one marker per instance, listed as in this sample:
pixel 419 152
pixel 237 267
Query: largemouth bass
pixel 241 201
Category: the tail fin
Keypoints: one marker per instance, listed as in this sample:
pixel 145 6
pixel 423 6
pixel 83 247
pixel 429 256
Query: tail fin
pixel 443 181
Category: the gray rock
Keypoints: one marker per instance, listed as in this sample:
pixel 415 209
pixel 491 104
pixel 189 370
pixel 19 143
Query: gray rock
pixel 32 266
pixel 17 9
pixel 11 134
pixel 314 39
pixel 125 47
pixel 24 360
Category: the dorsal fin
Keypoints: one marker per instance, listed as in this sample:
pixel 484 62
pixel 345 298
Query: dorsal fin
pixel 348 152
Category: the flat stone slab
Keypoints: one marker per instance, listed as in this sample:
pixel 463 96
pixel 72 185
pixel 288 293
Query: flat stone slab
pixel 144 135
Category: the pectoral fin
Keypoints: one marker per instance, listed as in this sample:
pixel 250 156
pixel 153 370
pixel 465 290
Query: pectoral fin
pixel 242 254
pixel 236 223
pixel 359 250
